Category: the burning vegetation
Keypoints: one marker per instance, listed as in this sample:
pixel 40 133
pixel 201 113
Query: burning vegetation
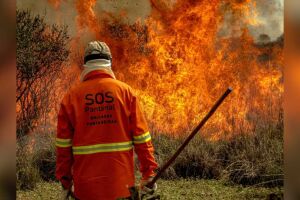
pixel 185 54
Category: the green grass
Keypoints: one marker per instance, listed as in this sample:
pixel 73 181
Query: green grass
pixel 173 190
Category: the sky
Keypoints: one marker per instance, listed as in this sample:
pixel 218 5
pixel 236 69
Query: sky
pixel 270 13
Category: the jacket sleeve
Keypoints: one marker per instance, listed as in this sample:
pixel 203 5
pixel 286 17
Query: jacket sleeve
pixel 142 141
pixel 64 156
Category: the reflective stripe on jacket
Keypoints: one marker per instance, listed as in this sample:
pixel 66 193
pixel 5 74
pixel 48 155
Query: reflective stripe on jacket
pixel 99 125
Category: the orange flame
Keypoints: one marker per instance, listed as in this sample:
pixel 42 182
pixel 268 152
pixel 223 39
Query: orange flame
pixel 179 63
pixel 86 17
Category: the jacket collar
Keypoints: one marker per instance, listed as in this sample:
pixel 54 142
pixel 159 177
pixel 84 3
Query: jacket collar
pixel 97 74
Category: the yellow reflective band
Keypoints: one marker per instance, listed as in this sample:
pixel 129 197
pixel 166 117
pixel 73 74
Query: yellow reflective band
pixel 100 148
pixel 63 142
pixel 142 138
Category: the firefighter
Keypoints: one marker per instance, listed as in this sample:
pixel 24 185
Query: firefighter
pixel 99 125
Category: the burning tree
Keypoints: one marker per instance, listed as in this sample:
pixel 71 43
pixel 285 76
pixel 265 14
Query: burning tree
pixel 41 51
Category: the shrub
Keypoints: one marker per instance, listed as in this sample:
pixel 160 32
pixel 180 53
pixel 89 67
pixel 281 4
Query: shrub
pixel 35 159
pixel 42 50
pixel 45 155
pixel 26 173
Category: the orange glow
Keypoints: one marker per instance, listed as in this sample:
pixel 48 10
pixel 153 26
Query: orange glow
pixel 86 16
pixel 179 64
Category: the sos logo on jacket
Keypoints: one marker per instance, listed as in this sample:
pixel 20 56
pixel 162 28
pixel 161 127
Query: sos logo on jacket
pixel 98 107
pixel 99 98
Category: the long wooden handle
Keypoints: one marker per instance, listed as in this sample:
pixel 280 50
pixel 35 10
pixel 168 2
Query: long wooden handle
pixel 190 137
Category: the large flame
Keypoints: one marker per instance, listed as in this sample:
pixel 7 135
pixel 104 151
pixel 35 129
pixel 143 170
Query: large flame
pixel 184 55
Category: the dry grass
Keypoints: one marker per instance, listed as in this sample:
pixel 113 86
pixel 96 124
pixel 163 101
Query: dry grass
pixel 35 160
pixel 27 173
pixel 255 159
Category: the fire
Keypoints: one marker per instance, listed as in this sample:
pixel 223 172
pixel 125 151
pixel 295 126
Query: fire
pixel 184 55
pixel 86 16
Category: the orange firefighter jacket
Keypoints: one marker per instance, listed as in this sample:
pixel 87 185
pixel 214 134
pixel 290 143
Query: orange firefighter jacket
pixel 99 125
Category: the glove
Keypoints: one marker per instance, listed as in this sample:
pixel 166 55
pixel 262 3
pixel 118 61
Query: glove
pixel 148 193
pixel 66 193
pixel 144 188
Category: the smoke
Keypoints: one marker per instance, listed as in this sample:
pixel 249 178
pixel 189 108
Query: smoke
pixel 75 12
pixel 55 3
pixel 60 12
pixel 129 11
pixel 270 15
pixel 259 17
pixel 265 17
